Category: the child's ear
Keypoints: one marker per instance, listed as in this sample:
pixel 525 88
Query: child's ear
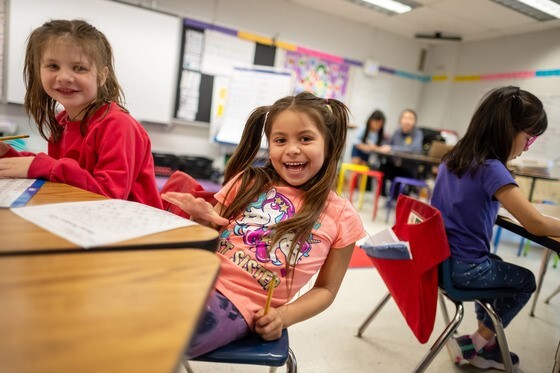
pixel 103 73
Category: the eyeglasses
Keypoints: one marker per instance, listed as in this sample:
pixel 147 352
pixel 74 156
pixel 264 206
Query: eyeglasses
pixel 530 140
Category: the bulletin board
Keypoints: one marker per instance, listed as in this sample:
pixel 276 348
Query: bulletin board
pixel 209 57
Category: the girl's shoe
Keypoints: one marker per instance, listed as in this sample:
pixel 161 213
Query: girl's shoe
pixel 491 357
pixel 461 348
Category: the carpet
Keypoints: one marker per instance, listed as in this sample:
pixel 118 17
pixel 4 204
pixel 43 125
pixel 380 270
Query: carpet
pixel 359 259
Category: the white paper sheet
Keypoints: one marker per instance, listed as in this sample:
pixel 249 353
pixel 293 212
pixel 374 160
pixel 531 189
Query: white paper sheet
pixel 17 192
pixel 97 223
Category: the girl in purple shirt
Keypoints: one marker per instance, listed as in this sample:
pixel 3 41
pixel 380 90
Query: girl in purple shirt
pixel 472 182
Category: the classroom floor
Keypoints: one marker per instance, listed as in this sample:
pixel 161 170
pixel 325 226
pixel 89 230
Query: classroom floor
pixel 328 342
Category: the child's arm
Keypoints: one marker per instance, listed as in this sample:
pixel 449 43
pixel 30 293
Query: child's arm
pixel 200 210
pixel 513 200
pixel 316 300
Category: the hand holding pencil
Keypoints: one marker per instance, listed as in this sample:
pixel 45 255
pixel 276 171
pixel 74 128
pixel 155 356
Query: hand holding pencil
pixel 269 321
pixel 269 294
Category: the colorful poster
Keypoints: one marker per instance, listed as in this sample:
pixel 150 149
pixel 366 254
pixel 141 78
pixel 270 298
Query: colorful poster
pixel 318 75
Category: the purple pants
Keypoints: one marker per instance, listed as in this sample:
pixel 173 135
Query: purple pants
pixel 221 324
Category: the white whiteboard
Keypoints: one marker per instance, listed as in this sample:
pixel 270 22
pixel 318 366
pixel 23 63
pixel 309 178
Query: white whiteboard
pixel 249 89
pixel 145 44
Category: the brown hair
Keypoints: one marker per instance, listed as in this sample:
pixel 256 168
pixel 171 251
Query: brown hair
pixel 501 115
pixel 95 47
pixel 331 118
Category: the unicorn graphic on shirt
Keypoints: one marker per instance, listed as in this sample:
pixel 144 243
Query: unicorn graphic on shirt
pixel 255 226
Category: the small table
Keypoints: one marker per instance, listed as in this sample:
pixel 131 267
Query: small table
pixel 125 311
pixel 20 236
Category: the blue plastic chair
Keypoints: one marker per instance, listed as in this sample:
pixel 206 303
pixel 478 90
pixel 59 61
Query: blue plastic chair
pixel 398 185
pixel 253 350
pixel 458 296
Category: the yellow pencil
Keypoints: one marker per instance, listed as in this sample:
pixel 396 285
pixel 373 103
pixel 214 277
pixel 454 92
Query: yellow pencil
pixel 6 138
pixel 269 295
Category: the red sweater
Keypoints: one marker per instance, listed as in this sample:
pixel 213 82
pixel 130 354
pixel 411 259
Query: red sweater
pixel 114 158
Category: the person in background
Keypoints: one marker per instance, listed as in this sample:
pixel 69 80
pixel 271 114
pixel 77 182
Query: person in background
pixel 472 182
pixel 369 140
pixel 280 223
pixel 407 139
pixel 93 143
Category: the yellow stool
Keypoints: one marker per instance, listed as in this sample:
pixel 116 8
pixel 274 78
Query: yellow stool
pixel 348 167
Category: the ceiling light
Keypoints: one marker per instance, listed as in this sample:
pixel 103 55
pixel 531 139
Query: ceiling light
pixel 545 6
pixel 389 7
pixel 541 10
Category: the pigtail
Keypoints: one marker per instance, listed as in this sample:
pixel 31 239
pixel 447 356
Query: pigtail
pixel 250 143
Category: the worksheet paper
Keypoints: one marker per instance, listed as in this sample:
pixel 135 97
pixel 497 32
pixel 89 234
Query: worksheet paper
pixel 17 192
pixel 98 223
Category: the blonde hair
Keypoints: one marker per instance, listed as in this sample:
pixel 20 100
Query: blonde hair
pixel 95 47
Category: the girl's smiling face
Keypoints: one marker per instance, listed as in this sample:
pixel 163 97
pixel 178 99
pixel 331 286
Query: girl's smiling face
pixel 296 147
pixel 69 77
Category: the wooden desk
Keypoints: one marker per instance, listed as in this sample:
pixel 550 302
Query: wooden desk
pixel 415 157
pixel 22 237
pixel 132 311
pixel 535 174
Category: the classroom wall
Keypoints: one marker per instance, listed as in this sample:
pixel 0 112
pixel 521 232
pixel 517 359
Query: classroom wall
pixel 294 24
pixel 445 104
pixel 451 104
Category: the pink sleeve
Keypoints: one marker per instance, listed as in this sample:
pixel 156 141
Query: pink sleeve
pixel 350 227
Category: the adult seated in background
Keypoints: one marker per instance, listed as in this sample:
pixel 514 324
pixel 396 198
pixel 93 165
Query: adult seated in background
pixel 407 139
pixel 369 140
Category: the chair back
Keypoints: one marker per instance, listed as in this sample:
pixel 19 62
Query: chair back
pixel 347 167
pixel 413 283
pixel 184 183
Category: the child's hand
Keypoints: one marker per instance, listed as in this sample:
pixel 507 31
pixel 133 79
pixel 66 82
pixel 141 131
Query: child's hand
pixel 270 326
pixel 15 166
pixel 197 208
pixel 385 148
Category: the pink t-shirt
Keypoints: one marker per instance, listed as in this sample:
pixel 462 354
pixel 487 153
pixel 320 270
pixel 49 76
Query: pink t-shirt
pixel 246 267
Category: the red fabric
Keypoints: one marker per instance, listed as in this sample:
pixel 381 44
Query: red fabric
pixel 184 183
pixel 414 283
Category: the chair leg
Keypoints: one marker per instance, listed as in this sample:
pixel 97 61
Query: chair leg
pixel 497 238
pixel 291 363
pixel 444 312
pixel 500 335
pixel 373 313
pixel 187 366
pixel 544 264
pixel 552 295
pixel 520 248
pixel 442 339
pixel 556 367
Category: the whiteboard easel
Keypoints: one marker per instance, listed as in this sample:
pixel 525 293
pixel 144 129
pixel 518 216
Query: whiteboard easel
pixel 249 89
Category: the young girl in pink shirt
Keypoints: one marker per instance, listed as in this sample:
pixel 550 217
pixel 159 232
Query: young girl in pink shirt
pixel 94 143
pixel 279 223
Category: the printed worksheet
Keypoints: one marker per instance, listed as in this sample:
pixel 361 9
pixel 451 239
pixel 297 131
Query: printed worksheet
pixel 98 223
pixel 17 192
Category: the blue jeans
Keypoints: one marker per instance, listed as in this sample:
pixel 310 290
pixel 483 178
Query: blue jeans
pixel 494 273
pixel 360 153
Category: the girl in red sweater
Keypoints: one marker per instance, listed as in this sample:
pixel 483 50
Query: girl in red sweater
pixel 93 143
